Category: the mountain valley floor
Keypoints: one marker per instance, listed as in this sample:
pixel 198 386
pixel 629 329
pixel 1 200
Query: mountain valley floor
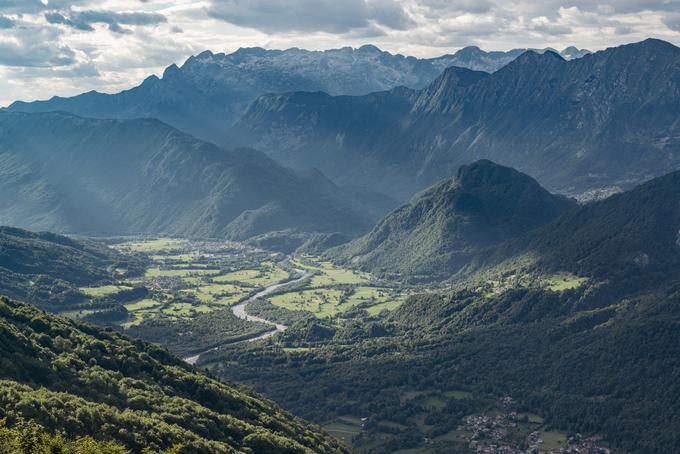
pixel 337 317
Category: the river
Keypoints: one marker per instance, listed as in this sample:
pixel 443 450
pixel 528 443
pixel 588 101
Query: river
pixel 239 311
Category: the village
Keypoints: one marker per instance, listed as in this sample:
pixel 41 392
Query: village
pixel 510 432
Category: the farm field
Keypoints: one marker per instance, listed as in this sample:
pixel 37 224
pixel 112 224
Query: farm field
pixel 185 279
pixel 192 284
pixel 345 428
pixel 104 290
pixel 332 290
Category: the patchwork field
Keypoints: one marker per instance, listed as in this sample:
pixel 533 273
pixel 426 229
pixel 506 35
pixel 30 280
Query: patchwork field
pixel 183 299
pixel 185 279
pixel 332 290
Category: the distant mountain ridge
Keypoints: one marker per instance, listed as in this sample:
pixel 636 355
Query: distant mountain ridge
pixel 607 119
pixel 210 90
pixel 476 59
pixel 65 173
pixel 445 228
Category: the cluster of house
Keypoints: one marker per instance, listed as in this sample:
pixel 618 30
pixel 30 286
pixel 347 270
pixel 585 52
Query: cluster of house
pixel 220 246
pixel 506 433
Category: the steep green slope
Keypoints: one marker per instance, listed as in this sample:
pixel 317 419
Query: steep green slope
pixel 64 173
pixel 442 230
pixel 46 269
pixel 625 236
pixel 82 380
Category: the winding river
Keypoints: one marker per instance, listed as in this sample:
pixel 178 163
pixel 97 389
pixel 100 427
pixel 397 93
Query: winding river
pixel 239 311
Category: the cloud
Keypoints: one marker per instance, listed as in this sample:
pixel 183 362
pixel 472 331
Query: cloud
pixel 126 18
pixel 672 21
pixel 79 70
pixel 6 22
pixel 437 7
pixel 331 16
pixel 21 6
pixel 83 20
pixel 544 25
pixel 36 6
pixel 35 47
pixel 116 28
pixel 57 18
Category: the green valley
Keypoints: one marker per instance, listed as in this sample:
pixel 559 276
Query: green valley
pixel 184 298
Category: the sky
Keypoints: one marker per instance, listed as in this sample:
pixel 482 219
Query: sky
pixel 66 47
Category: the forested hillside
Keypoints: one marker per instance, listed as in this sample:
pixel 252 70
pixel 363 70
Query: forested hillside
pixel 446 229
pixel 84 381
pixel 47 269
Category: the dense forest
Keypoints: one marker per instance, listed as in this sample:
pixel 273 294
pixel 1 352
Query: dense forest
pixel 28 437
pixel 80 380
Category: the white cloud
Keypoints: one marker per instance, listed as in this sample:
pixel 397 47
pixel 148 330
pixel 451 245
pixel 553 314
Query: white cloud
pixel 332 16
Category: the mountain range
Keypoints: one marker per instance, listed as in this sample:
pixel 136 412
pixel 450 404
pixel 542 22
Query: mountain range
pixel 65 173
pixel 606 120
pixel 472 57
pixel 210 90
pixel 489 215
